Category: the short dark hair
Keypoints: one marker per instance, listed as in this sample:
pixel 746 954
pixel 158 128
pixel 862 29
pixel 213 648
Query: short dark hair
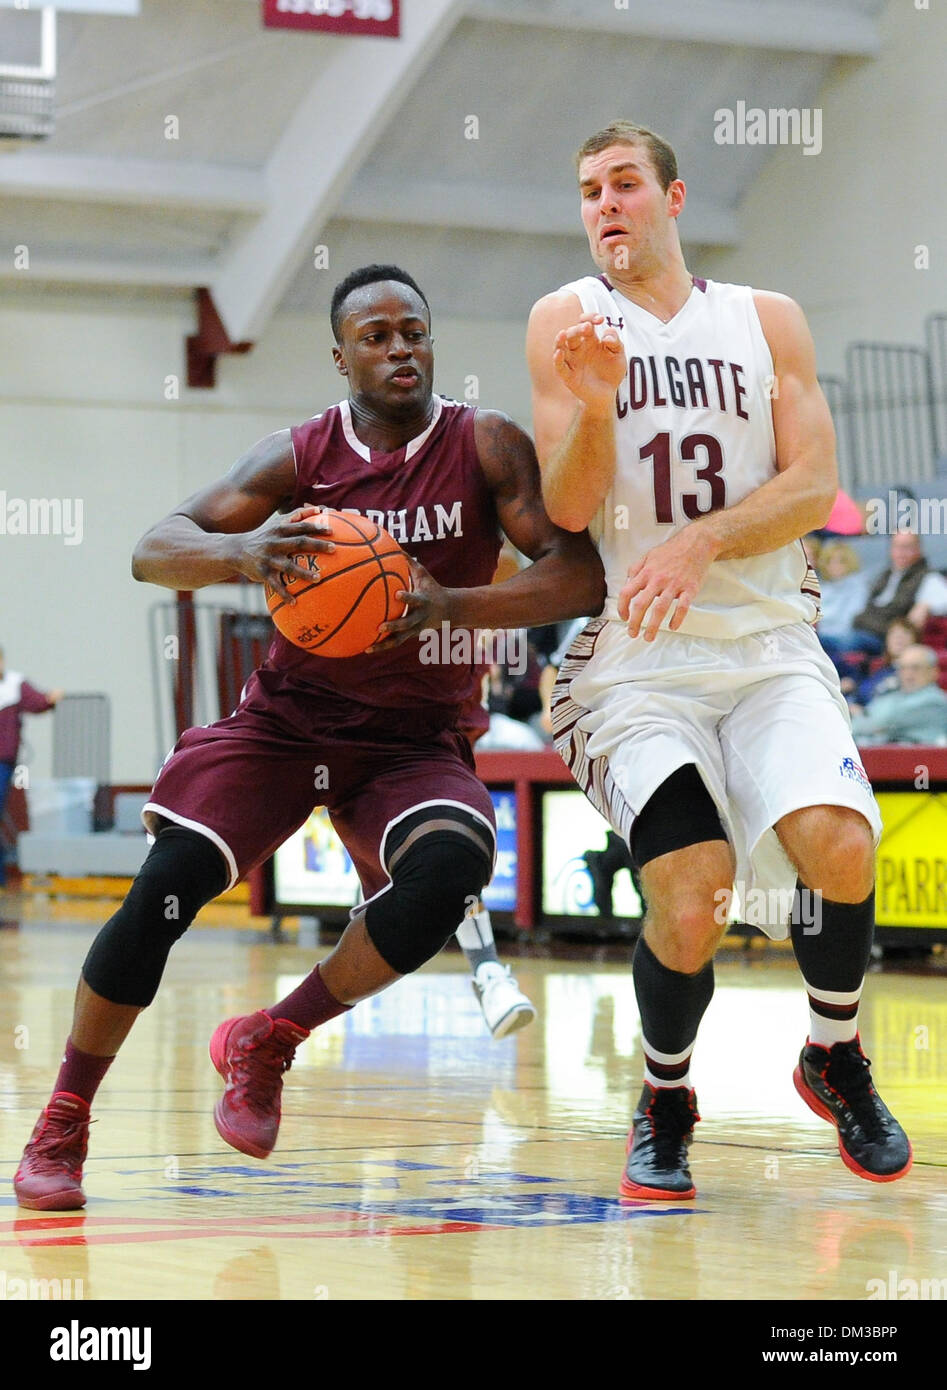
pixel 369 275
pixel 659 151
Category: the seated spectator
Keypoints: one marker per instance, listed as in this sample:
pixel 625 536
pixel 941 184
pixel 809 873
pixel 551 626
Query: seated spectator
pixel 844 588
pixel 908 589
pixel 900 635
pixel 914 713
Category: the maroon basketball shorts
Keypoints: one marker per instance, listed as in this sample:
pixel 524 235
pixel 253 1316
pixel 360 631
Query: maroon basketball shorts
pixel 249 781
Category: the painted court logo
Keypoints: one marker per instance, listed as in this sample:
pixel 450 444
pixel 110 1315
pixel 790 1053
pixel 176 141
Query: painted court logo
pixel 76 1343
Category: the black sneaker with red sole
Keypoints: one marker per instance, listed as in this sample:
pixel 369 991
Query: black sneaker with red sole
pixel 661 1131
pixel 835 1082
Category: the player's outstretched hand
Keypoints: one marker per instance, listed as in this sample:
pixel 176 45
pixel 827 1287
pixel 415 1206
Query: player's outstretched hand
pixel 427 604
pixel 592 365
pixel 670 573
pixel 266 554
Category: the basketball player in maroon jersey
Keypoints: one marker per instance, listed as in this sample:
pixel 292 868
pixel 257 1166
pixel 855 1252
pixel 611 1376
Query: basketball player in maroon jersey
pixel 381 728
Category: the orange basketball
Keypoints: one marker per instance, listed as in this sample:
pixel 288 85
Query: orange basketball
pixel 351 593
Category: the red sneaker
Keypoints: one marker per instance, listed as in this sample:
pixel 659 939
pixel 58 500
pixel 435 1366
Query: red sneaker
pixel 251 1053
pixel 49 1177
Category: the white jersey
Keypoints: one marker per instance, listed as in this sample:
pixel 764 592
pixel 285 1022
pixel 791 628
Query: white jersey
pixel 693 434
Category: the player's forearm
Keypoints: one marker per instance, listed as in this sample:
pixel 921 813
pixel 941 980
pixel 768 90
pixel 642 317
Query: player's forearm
pixel 560 584
pixel 789 506
pixel 578 474
pixel 178 554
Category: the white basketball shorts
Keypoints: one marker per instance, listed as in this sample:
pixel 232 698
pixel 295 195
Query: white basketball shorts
pixel 762 717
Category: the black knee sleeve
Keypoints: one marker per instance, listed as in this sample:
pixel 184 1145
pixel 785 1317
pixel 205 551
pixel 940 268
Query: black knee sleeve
pixel 183 871
pixel 440 860
pixel 680 813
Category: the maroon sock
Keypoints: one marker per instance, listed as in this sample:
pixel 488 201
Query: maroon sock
pixel 309 1004
pixel 81 1073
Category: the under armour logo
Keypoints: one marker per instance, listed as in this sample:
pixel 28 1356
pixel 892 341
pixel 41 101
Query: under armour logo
pixel 615 323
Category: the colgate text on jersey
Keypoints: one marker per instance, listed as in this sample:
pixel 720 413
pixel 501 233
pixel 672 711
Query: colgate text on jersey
pixel 659 381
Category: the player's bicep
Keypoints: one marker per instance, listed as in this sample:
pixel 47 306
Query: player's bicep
pixel 260 483
pixel 509 463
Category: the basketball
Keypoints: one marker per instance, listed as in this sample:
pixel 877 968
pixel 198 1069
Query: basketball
pixel 352 591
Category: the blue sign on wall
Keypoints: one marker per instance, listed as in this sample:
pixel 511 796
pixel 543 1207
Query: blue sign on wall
pixel 500 894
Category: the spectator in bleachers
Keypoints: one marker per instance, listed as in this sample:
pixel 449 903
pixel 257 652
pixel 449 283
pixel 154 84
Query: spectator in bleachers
pixel 17 697
pixel 844 588
pixel 914 713
pixel 909 588
pixel 900 635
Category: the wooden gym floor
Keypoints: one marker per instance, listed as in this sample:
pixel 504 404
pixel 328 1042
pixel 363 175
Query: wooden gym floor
pixel 418 1159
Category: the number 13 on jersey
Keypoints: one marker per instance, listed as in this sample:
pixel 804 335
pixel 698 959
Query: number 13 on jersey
pixel 702 450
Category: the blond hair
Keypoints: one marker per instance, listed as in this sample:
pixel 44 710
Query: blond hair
pixel 833 548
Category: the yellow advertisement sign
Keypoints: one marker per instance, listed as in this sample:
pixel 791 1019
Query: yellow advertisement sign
pixel 912 860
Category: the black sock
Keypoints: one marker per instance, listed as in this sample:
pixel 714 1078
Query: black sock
pixel 671 1005
pixel 832 942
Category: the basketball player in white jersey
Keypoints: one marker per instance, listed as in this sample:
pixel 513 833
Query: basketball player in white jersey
pixel 682 422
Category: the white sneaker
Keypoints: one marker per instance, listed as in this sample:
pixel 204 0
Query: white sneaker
pixel 503 1004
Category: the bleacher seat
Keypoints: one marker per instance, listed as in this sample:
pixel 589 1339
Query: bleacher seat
pixel 119 852
pixel 935 634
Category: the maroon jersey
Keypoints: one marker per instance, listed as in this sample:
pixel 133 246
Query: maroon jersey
pixel 17 697
pixel 432 498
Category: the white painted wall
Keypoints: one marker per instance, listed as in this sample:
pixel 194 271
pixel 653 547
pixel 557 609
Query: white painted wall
pixel 82 378
pixel 838 230
pixel 83 415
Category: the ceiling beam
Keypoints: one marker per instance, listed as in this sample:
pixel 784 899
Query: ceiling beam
pixel 134 182
pixel 799 26
pixel 76 270
pixel 338 121
pixel 497 208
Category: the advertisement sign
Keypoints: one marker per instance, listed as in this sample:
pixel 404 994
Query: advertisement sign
pixel 313 868
pixel 571 825
pixel 500 893
pixel 378 18
pixel 911 861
